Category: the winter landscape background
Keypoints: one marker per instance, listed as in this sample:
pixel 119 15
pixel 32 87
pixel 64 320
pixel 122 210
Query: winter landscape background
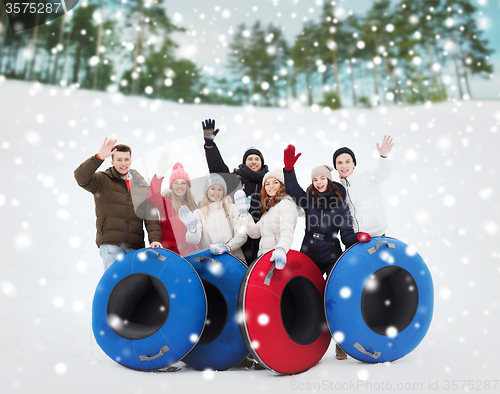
pixel 442 198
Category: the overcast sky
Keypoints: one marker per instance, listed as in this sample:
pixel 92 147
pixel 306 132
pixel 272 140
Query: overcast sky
pixel 210 24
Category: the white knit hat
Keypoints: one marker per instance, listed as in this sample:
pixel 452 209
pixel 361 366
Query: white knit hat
pixel 322 170
pixel 214 179
pixel 278 174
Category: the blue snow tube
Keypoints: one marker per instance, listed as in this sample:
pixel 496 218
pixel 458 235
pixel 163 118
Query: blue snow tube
pixel 221 345
pixel 379 300
pixel 149 309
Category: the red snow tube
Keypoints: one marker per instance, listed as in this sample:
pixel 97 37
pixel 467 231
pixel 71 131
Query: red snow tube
pixel 282 317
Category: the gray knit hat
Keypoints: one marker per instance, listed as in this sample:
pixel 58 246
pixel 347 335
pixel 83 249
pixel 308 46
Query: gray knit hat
pixel 278 174
pixel 322 170
pixel 214 179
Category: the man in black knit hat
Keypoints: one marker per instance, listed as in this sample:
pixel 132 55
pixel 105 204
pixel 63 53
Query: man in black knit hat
pixel 249 175
pixel 364 194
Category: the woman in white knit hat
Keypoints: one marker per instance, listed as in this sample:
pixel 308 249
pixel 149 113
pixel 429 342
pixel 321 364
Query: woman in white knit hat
pixel 277 224
pixel 216 222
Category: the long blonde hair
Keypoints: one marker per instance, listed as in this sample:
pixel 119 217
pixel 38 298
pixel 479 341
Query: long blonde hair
pixel 226 202
pixel 177 202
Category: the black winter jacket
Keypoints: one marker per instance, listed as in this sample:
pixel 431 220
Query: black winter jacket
pixel 327 222
pixel 251 181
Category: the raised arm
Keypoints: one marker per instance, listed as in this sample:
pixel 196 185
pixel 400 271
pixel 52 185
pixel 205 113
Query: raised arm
pixel 212 154
pixel 384 168
pixel 293 188
pixel 291 184
pixel 155 197
pixel 85 173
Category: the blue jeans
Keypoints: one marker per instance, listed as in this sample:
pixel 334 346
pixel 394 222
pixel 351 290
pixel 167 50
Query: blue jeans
pixel 111 253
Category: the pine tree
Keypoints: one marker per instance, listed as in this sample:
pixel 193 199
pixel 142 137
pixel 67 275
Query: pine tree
pixel 374 24
pixel 472 51
pixel 304 53
pixel 237 58
pixel 81 35
pixel 329 31
pixel 407 26
pixel 349 46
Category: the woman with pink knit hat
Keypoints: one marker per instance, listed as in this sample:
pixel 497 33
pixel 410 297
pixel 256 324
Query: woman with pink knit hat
pixel 173 231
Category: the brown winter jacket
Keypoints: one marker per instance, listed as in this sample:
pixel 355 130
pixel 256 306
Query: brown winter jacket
pixel 120 213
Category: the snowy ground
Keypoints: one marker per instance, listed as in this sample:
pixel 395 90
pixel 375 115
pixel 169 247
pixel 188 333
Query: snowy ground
pixel 442 198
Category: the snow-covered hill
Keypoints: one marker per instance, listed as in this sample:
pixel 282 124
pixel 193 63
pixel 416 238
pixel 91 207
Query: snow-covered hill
pixel 442 198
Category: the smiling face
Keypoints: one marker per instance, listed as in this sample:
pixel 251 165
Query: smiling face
pixel 122 162
pixel 215 193
pixel 179 187
pixel 320 183
pixel 272 186
pixel 253 162
pixel 344 165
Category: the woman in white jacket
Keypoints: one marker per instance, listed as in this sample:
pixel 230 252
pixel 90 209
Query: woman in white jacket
pixel 216 223
pixel 277 224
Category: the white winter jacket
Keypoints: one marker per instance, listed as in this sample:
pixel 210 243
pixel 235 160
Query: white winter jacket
pixel 276 227
pixel 364 197
pixel 218 229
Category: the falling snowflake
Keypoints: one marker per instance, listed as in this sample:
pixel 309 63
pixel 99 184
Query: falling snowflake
pixel 8 288
pixel 445 293
pixel 363 374
pixel 391 332
pixel 263 319
pixel 208 374
pixel 60 368
pixel 345 292
pixel 338 336
pixel 58 302
pixel 490 227
pixel 22 241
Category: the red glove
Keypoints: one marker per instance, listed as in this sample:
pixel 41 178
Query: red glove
pixel 363 237
pixel 290 159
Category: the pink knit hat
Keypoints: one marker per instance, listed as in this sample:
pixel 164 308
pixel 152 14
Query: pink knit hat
pixel 178 172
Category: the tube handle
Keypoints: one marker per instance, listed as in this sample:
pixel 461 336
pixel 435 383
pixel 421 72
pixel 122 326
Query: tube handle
pixel 377 246
pixel 267 279
pixel 158 255
pixel 374 355
pixel 161 352
pixel 199 259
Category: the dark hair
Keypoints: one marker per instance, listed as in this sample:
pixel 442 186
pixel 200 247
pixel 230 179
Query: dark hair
pixel 266 202
pixel 121 148
pixel 318 198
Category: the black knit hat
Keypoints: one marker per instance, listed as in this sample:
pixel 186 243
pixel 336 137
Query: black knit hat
pixel 339 151
pixel 253 151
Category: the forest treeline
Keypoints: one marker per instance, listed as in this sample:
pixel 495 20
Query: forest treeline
pixel 407 52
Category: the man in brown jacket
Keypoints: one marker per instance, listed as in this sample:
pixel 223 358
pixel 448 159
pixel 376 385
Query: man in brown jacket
pixel 121 203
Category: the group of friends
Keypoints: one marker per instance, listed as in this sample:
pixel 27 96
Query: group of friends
pixel 262 217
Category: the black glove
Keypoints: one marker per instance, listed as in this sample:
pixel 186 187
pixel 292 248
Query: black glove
pixel 208 131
